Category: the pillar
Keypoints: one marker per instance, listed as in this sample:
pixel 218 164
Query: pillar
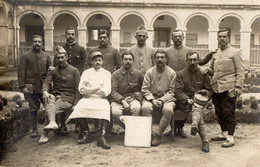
pixel 245 38
pixel 184 30
pixel 48 40
pixel 115 37
pixel 82 36
pixel 150 32
pixel 213 41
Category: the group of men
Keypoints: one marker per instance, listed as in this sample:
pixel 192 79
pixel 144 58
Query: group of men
pixel 103 85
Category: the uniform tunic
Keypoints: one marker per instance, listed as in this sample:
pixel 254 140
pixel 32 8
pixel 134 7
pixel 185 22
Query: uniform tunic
pixel 143 57
pixel 111 58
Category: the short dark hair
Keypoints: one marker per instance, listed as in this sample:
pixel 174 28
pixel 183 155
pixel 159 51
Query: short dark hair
pixel 161 51
pixel 70 28
pixel 127 53
pixel 177 30
pixel 224 30
pixel 103 31
pixel 191 53
pixel 37 36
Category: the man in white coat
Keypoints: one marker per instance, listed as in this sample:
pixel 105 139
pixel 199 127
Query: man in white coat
pixel 95 86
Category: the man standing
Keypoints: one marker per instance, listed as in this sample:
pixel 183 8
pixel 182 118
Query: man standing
pixel 143 53
pixel 76 53
pixel 177 61
pixel 158 90
pixel 95 86
pixel 190 80
pixel 227 83
pixel 112 60
pixel 126 89
pixel 63 94
pixel 31 73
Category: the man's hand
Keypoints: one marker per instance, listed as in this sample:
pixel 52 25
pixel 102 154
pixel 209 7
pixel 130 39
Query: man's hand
pixel 25 90
pixel 157 103
pixel 190 101
pixel 48 97
pixel 126 106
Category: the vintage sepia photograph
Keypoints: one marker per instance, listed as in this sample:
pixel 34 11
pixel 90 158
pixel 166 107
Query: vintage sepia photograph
pixel 145 83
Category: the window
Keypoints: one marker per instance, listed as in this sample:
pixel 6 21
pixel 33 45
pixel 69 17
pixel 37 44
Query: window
pixel 191 39
pixel 93 35
pixel 237 39
pixel 126 37
pixel 162 37
pixel 252 39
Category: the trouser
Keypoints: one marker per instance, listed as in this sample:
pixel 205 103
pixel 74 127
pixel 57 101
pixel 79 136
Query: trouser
pixel 118 110
pixel 225 110
pixel 35 101
pixel 197 121
pixel 167 113
pixel 56 107
pixel 83 124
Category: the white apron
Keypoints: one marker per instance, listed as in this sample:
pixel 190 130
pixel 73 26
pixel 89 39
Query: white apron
pixel 91 108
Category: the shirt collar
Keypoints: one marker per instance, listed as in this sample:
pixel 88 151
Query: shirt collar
pixel 177 47
pixel 103 47
pixel 71 44
pixel 124 71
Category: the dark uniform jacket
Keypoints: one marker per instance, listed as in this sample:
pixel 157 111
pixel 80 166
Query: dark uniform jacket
pixel 76 56
pixel 187 83
pixel 32 70
pixel 126 84
pixel 111 61
pixel 65 83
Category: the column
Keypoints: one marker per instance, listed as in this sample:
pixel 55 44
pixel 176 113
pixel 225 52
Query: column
pixel 184 30
pixel 245 42
pixel 213 41
pixel 150 32
pixel 17 47
pixel 115 37
pixel 48 40
pixel 82 36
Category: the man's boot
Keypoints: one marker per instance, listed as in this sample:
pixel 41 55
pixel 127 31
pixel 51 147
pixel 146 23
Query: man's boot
pixel 102 140
pixel 86 138
pixel 34 122
pixel 205 146
pixel 44 138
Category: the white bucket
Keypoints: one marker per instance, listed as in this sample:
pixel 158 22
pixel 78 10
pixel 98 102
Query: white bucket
pixel 138 131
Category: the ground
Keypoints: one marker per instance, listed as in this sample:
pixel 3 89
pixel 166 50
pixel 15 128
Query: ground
pixel 64 151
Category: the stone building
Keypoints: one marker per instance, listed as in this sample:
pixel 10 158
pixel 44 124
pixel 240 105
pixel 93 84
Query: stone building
pixel 200 20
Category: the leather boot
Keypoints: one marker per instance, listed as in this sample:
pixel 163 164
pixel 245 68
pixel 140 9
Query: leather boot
pixel 102 140
pixel 205 146
pixel 86 138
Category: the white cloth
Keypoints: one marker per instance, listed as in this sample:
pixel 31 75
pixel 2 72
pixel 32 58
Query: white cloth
pixel 93 105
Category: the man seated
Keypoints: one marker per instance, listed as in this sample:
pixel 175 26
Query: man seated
pixel 158 91
pixel 190 80
pixel 126 89
pixel 95 86
pixel 62 96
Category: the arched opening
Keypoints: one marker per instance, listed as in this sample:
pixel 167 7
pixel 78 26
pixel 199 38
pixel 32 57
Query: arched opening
pixel 233 25
pixel 61 23
pixel 197 34
pixel 94 24
pixel 3 35
pixel 128 27
pixel 255 44
pixel 163 26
